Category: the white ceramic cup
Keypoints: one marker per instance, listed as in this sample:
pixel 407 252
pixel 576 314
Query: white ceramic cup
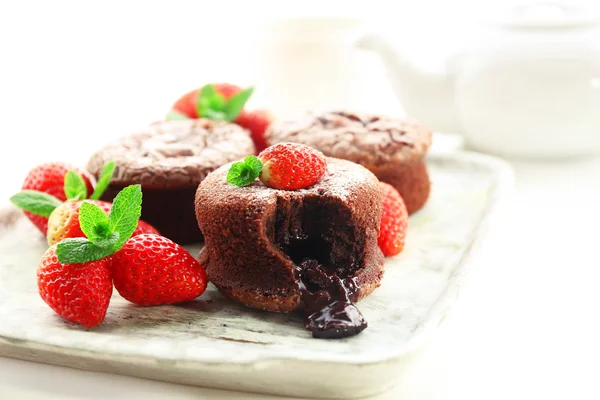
pixel 309 63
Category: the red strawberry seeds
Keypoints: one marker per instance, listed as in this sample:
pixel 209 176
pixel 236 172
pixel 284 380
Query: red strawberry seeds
pixel 394 222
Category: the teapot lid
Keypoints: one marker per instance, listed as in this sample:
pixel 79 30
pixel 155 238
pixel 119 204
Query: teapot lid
pixel 549 16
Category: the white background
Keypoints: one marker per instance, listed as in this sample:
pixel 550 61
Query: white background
pixel 74 75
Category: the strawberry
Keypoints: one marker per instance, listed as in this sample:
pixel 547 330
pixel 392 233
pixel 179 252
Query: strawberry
pixel 74 276
pixel 288 166
pixel 50 178
pixel 394 221
pixel 143 228
pixel 147 269
pixel 186 105
pixel 48 186
pixel 152 270
pixel 257 123
pixel 291 166
pixel 221 101
pixel 78 292
pixel 64 221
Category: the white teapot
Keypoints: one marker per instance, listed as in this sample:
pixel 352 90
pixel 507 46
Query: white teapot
pixel 530 89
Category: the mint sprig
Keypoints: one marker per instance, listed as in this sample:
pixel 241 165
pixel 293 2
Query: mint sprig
pixel 125 213
pixel 244 172
pixel 213 105
pixel 75 188
pixel 94 223
pixel 35 202
pixel 236 103
pixel 103 180
pixel 105 234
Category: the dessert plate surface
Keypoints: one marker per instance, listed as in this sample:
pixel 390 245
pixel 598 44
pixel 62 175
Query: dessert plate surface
pixel 214 342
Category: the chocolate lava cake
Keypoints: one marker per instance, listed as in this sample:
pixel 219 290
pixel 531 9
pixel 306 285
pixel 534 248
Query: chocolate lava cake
pixel 393 149
pixel 169 159
pixel 279 250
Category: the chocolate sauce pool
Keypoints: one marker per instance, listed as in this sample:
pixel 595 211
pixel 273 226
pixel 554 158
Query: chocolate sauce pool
pixel 329 311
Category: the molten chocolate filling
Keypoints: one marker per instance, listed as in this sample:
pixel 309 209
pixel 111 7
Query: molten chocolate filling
pixel 315 235
pixel 329 311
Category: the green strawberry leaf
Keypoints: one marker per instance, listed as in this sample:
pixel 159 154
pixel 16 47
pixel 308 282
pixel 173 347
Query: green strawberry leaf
pixel 80 250
pixel 75 188
pixel 175 116
pixel 235 105
pixel 245 172
pixel 103 180
pixel 94 223
pixel 125 213
pixel 35 202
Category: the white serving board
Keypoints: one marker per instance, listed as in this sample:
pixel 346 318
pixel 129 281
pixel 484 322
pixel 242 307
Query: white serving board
pixel 214 342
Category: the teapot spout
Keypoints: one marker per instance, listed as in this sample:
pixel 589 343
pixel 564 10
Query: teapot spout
pixel 425 96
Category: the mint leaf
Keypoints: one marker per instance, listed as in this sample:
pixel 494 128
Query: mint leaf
pixel 216 102
pixel 175 116
pixel 75 188
pixel 214 115
pixel 109 242
pixel 125 213
pixel 94 222
pixel 35 202
pixel 207 92
pixel 80 250
pixel 254 163
pixel 246 172
pixel 205 100
pixel 103 180
pixel 235 104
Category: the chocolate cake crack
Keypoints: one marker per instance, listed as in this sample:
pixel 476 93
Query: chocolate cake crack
pixel 312 232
